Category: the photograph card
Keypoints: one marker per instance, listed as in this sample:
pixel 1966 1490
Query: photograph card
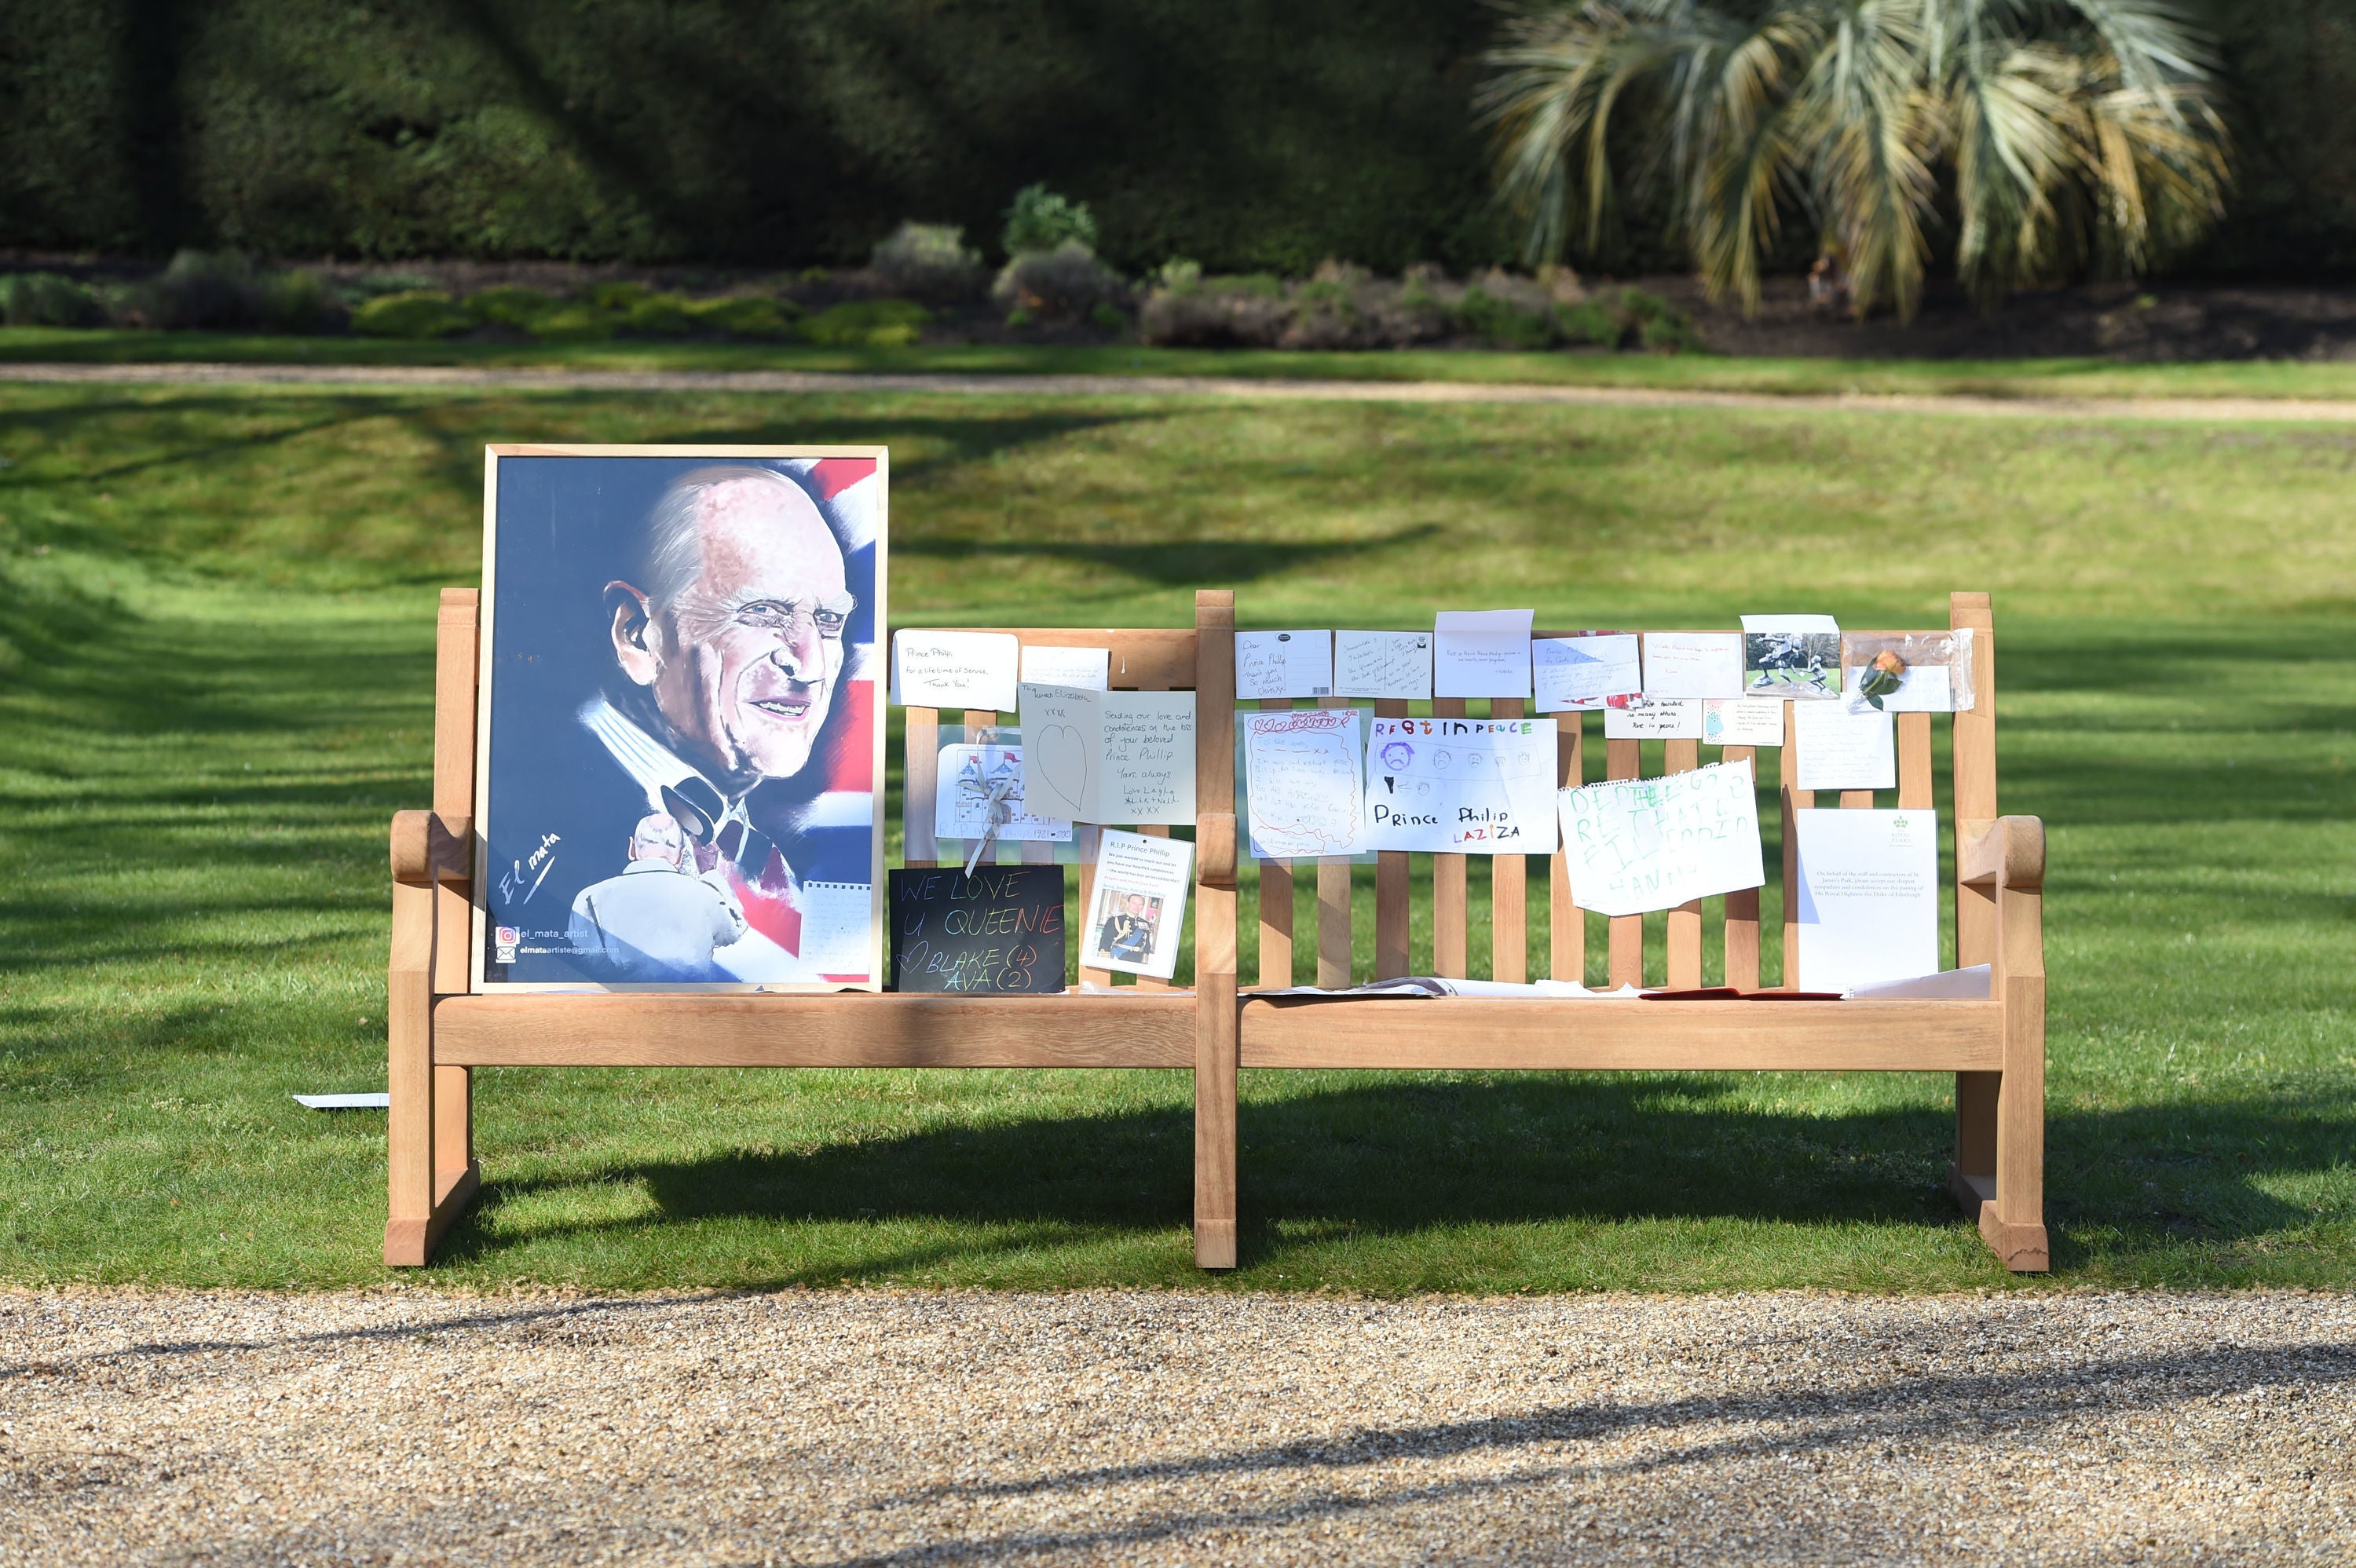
pixel 1744 721
pixel 1655 719
pixel 998 931
pixel 955 670
pixel 1461 786
pixel 1391 665
pixel 1304 781
pixel 1481 653
pixel 1139 905
pixel 1792 656
pixel 1868 896
pixel 1687 664
pixel 671 795
pixel 1584 673
pixel 1108 756
pixel 1277 665
pixel 1090 670
pixel 1636 845
pixel 1840 750
pixel 977 784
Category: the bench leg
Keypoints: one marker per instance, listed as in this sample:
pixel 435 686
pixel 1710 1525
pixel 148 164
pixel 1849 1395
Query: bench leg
pixel 1216 1030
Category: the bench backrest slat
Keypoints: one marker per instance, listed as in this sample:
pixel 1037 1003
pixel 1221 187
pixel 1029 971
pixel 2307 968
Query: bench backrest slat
pixel 1275 904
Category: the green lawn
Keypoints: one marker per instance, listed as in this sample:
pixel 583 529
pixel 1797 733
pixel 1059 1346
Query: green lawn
pixel 2051 377
pixel 215 688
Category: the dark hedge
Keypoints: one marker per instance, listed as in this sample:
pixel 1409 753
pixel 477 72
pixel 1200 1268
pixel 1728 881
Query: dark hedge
pixel 1247 133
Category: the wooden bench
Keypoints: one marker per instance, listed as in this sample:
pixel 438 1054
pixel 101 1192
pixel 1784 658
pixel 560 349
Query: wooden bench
pixel 438 1032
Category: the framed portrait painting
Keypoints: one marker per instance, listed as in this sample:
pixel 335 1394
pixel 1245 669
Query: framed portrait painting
pixel 679 782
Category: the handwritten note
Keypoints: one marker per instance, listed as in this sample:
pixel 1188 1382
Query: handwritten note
pixel 1744 721
pixel 1634 845
pixel 1307 795
pixel 970 777
pixel 1840 750
pixel 1090 670
pixel 955 669
pixel 1108 756
pixel 1581 674
pixel 1654 718
pixel 1396 665
pixel 1693 664
pixel 1481 653
pixel 998 929
pixel 1283 664
pixel 1869 896
pixel 1463 787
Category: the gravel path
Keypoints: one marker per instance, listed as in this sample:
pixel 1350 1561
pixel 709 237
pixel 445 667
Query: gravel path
pixel 413 1428
pixel 2295 410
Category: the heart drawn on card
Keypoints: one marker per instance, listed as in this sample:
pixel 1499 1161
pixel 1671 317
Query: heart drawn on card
pixel 1063 759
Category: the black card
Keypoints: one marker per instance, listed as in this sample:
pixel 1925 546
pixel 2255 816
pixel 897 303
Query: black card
pixel 999 930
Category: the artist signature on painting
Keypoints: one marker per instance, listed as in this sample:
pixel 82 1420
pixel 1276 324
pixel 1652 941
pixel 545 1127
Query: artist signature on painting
pixel 535 865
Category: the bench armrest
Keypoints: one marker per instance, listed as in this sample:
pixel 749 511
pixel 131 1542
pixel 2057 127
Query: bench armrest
pixel 2009 852
pixel 428 848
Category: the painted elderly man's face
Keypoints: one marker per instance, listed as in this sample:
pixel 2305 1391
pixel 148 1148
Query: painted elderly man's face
pixel 657 837
pixel 743 662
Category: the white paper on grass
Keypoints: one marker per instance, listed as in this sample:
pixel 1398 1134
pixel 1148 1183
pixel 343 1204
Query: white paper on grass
pixel 1580 673
pixel 1108 756
pixel 1634 845
pixel 1841 749
pixel 955 670
pixel 1925 689
pixel 961 809
pixel 1303 771
pixel 1693 664
pixel 1283 664
pixel 1395 664
pixel 1090 670
pixel 1481 653
pixel 1140 904
pixel 1461 786
pixel 1792 655
pixel 345 1101
pixel 1867 897
pixel 1744 721
pixel 1646 719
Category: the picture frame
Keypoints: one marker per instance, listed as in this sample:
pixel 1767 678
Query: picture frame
pixel 680 733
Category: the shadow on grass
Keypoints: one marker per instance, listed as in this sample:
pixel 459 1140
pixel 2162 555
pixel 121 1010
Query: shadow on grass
pixel 1391 1159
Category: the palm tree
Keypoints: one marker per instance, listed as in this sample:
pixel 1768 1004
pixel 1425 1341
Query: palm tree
pixel 2076 131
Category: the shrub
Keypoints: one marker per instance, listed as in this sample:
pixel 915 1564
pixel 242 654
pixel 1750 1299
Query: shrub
pixel 928 262
pixel 744 316
pixel 510 305
pixel 868 324
pixel 45 299
pixel 573 322
pixel 1066 282
pixel 1107 318
pixel 415 313
pixel 1594 323
pixel 1502 322
pixel 1041 220
pixel 1177 274
pixel 660 315
pixel 617 296
pixel 1216 312
pixel 202 289
pixel 300 301
pixel 1660 326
